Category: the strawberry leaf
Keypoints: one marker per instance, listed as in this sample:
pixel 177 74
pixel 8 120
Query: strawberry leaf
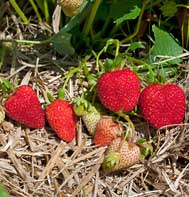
pixel 62 43
pixel 133 14
pixel 169 8
pixel 165 46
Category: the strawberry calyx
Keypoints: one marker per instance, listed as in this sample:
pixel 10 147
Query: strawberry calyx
pixel 111 160
pixel 146 147
pixel 80 106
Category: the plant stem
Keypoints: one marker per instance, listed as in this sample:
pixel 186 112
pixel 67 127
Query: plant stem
pixel 89 22
pixel 70 74
pixel 36 10
pixel 46 9
pixel 130 37
pixel 19 11
pixel 27 42
pixel 127 118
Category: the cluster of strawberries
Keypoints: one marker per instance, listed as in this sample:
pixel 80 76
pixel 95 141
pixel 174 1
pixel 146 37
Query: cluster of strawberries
pixel 118 91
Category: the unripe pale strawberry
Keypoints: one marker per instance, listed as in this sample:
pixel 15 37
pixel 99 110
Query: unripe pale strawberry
pixel 119 90
pixel 89 114
pixel 70 7
pixel 91 119
pixel 120 155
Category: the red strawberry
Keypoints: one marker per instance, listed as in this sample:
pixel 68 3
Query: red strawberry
pixel 62 120
pixel 119 90
pixel 106 131
pixel 120 155
pixel 24 107
pixel 163 104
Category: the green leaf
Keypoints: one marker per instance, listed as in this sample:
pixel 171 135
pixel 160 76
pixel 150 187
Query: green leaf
pixel 135 45
pixel 50 97
pixel 165 45
pixel 119 8
pixel 112 64
pixel 3 193
pixel 133 14
pixel 62 43
pixel 61 93
pixel 7 84
pixel 169 8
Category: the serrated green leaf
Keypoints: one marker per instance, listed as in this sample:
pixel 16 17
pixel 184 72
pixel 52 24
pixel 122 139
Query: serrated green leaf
pixel 62 43
pixel 165 45
pixel 169 8
pixel 133 14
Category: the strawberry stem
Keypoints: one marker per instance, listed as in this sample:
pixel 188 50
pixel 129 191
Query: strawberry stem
pixel 127 118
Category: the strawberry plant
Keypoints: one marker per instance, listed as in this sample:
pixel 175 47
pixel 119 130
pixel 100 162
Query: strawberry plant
pixel 118 124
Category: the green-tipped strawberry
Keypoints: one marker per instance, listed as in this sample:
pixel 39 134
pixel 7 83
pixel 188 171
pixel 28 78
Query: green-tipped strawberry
pixel 88 113
pixel 122 154
pixel 91 119
pixel 106 131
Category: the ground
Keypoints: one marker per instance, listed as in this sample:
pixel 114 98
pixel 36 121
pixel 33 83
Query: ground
pixel 35 162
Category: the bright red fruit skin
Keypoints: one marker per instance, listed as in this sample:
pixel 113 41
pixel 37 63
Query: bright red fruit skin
pixel 62 120
pixel 24 107
pixel 163 105
pixel 119 90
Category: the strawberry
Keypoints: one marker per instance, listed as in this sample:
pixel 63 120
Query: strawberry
pixel 70 7
pixel 24 107
pixel 120 155
pixel 106 131
pixel 162 105
pixel 89 114
pixel 119 90
pixel 62 120
pixel 91 119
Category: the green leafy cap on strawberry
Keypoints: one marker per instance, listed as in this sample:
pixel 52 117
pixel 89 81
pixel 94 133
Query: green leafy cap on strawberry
pixel 88 112
pixel 122 154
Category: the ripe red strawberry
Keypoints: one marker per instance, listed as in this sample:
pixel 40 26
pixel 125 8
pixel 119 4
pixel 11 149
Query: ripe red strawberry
pixel 120 155
pixel 24 107
pixel 163 104
pixel 119 90
pixel 62 120
pixel 106 131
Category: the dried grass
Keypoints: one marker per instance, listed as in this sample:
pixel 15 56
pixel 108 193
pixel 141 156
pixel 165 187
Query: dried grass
pixel 36 163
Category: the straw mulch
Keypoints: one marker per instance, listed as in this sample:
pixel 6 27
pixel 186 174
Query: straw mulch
pixel 36 163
